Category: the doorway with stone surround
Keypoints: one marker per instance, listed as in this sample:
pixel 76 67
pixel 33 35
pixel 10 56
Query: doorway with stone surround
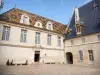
pixel 37 56
pixel 69 58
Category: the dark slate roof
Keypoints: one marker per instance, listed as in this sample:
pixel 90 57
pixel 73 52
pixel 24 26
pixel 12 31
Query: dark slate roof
pixel 90 17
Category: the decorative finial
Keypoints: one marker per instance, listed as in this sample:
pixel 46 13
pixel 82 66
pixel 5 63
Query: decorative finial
pixel 95 6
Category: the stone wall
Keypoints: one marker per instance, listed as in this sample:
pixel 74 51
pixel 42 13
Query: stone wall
pixel 91 43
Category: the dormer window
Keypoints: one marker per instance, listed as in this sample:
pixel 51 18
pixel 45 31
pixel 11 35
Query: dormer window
pixel 38 24
pixel 78 29
pixel 25 19
pixel 49 25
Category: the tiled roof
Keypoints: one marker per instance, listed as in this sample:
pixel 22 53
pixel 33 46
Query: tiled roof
pixel 14 16
pixel 90 17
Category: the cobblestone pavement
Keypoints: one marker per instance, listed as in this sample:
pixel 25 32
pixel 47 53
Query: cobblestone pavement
pixel 50 69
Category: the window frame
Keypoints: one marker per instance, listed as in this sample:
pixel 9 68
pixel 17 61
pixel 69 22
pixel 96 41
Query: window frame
pixel 72 42
pixel 49 25
pixel 23 36
pixel 59 41
pixel 78 29
pixel 38 24
pixel 83 40
pixel 81 55
pixel 49 39
pixel 6 33
pixel 98 37
pixel 37 37
pixel 91 56
pixel 25 19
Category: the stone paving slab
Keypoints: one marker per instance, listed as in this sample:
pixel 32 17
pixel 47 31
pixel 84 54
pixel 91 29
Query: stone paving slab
pixel 51 69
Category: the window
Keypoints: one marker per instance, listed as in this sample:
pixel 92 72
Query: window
pixel 78 29
pixel 91 57
pixel 83 40
pixel 80 55
pixel 59 41
pixel 72 42
pixel 49 40
pixel 6 33
pixel 49 25
pixel 25 18
pixel 38 24
pixel 98 37
pixel 23 35
pixel 37 38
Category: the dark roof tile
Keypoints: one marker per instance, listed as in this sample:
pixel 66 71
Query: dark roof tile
pixel 90 18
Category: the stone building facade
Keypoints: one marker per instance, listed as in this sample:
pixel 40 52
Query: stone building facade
pixel 82 42
pixel 29 37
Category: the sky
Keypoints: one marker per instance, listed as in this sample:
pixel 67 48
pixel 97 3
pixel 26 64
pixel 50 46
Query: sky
pixel 57 10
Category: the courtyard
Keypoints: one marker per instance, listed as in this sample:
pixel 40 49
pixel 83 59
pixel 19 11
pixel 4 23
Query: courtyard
pixel 48 69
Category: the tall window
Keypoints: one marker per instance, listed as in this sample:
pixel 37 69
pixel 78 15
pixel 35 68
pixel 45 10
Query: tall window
pixel 98 37
pixel 49 40
pixel 6 33
pixel 83 40
pixel 80 55
pixel 59 41
pixel 23 35
pixel 37 38
pixel 91 57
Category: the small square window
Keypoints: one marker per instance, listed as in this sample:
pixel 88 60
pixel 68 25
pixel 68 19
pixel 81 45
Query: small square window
pixel 83 40
pixel 72 42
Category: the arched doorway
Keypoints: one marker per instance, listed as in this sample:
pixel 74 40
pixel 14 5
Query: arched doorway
pixel 69 57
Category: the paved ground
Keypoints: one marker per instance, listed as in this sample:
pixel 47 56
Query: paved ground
pixel 50 69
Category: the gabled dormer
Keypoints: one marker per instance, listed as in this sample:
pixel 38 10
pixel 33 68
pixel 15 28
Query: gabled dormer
pixel 49 25
pixel 77 22
pixel 38 24
pixel 24 19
